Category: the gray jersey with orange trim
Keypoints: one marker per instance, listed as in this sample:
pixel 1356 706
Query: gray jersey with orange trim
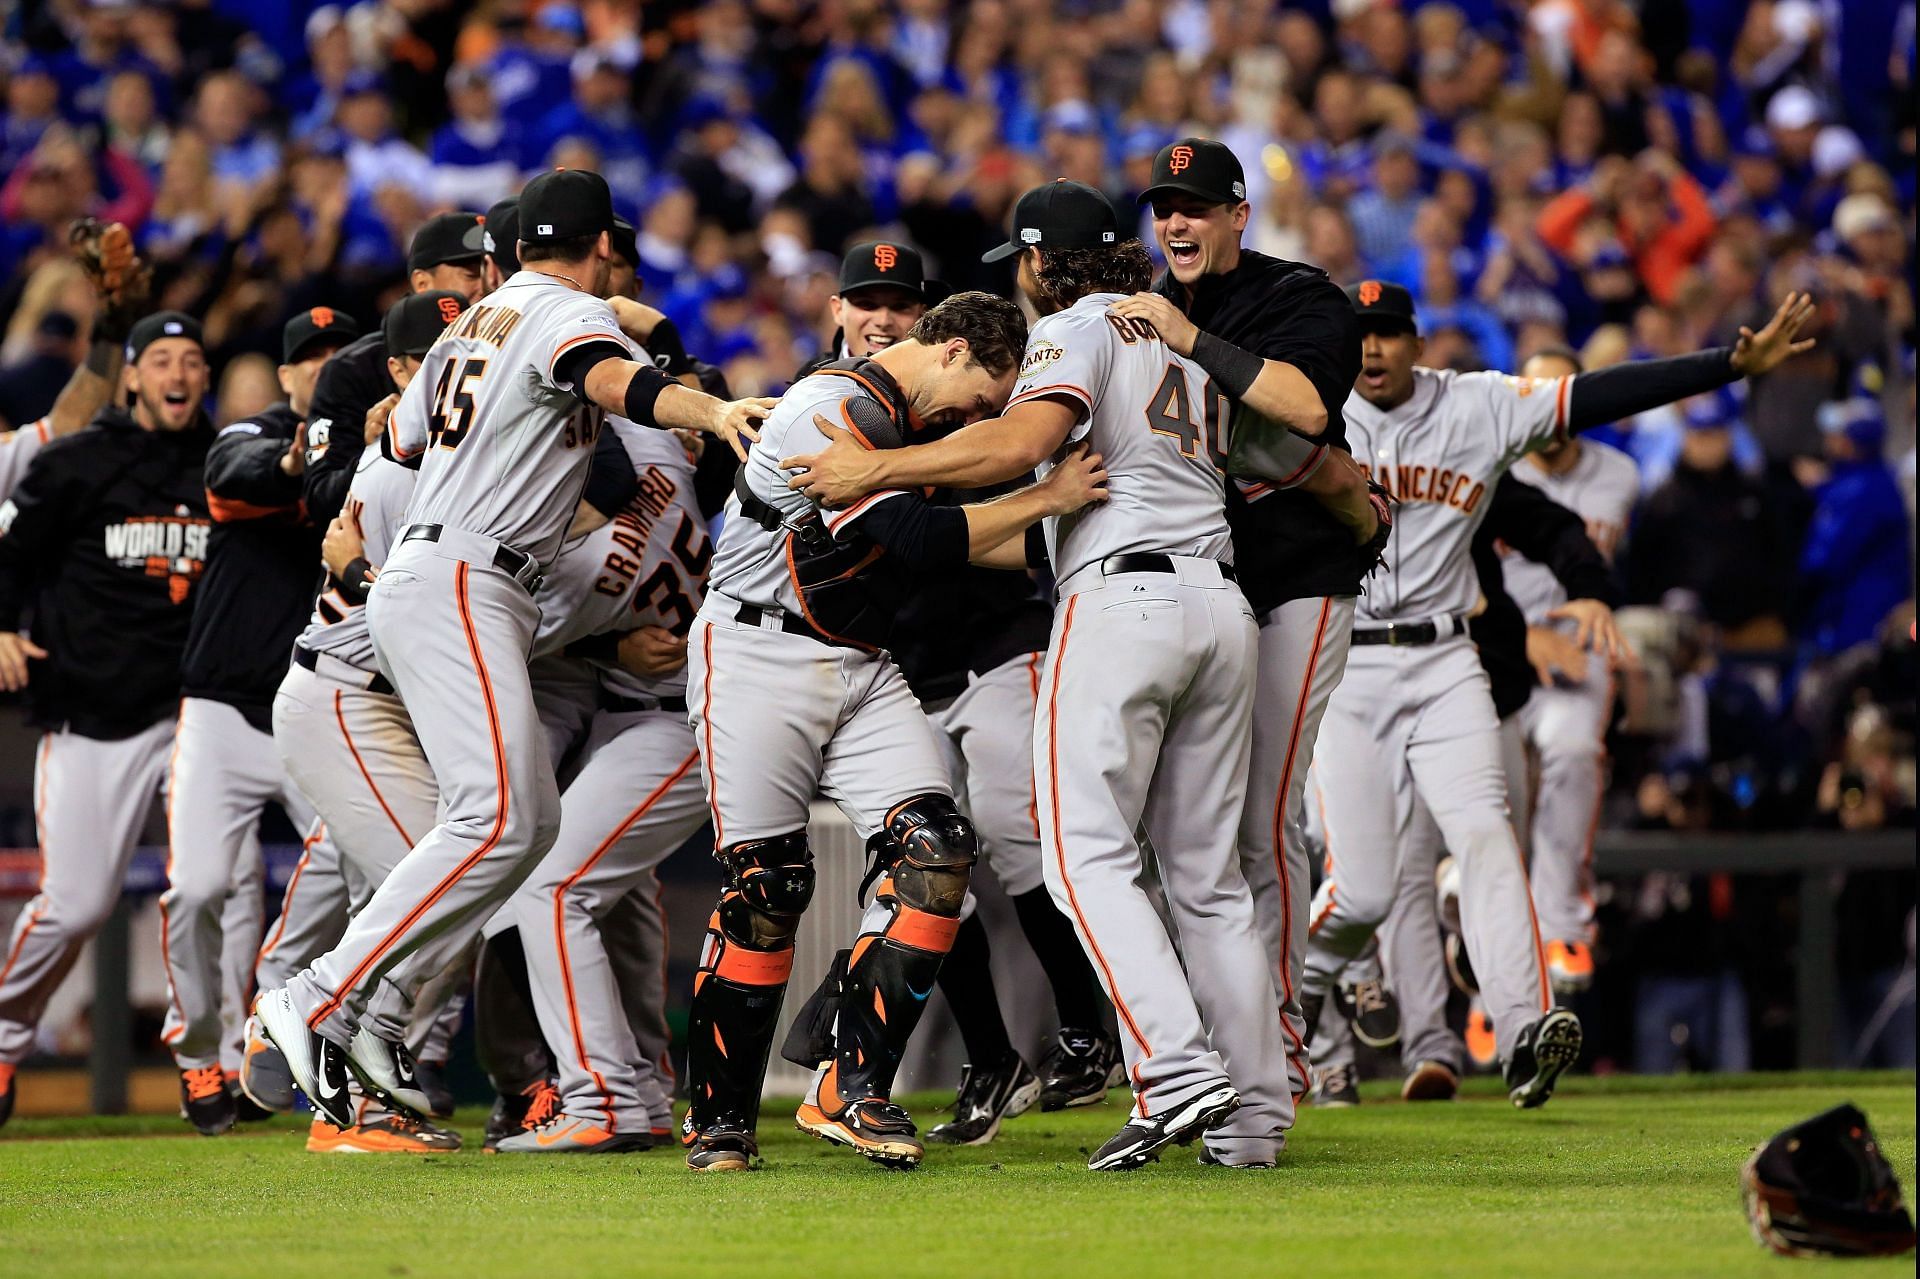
pixel 17 451
pixel 377 500
pixel 1440 454
pixel 645 567
pixel 1157 421
pixel 506 442
pixel 750 563
pixel 1601 488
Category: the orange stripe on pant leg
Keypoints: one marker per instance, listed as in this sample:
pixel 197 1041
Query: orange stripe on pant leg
pixel 1584 879
pixel 706 729
pixel 286 898
pixel 400 930
pixel 40 834
pixel 1060 853
pixel 340 716
pixel 560 925
pixel 1033 783
pixel 1280 817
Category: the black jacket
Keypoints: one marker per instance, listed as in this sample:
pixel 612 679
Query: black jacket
pixel 1285 546
pixel 1547 533
pixel 351 382
pixel 103 542
pixel 262 565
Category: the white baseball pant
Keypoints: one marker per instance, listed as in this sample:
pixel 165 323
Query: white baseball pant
pixel 1566 728
pixel 242 920
pixel 992 762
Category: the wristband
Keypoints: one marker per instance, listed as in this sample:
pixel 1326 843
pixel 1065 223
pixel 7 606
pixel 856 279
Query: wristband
pixel 643 391
pixel 1234 369
pixel 357 580
pixel 668 351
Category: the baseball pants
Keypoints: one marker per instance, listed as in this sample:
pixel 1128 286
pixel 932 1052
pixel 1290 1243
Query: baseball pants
pixel 1302 655
pixel 224 774
pixel 991 755
pixel 453 639
pixel 242 920
pixel 635 799
pixel 91 797
pixel 1417 724
pixel 1146 723
pixel 1566 729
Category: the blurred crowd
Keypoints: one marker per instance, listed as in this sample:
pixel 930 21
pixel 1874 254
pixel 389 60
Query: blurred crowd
pixel 1626 180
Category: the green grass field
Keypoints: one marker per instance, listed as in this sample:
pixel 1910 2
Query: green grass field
pixel 1617 1177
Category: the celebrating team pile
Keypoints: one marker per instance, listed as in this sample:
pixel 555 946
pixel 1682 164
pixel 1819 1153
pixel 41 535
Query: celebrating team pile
pixel 1139 606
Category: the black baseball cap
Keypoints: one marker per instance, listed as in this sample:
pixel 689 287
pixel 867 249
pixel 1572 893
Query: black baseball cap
pixel 1198 167
pixel 883 262
pixel 563 205
pixel 318 326
pixel 500 229
pixel 415 323
pixel 447 237
pixel 1382 307
pixel 626 241
pixel 162 324
pixel 1059 215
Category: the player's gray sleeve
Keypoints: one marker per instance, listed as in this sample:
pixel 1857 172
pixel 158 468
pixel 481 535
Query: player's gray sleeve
pixel 17 450
pixel 1069 354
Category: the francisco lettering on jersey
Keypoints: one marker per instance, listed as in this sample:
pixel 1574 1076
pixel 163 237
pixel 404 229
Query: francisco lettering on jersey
pixel 169 546
pixel 1437 484
pixel 489 324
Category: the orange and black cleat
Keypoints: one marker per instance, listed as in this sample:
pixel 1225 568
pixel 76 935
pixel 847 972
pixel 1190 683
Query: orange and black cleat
pixel 1569 966
pixel 720 1147
pixel 390 1133
pixel 8 1091
pixel 874 1126
pixel 204 1100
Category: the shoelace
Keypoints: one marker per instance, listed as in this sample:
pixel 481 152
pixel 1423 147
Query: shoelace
pixel 546 1103
pixel 1369 997
pixel 1338 1079
pixel 204 1082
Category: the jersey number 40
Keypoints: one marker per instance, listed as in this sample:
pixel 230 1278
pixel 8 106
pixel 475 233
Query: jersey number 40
pixel 1170 413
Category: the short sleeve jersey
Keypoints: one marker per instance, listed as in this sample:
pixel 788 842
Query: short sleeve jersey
pixel 504 442
pixel 1600 487
pixel 645 567
pixel 1440 454
pixel 377 500
pixel 1156 421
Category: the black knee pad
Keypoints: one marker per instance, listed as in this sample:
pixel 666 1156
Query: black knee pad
pixel 933 850
pixel 770 885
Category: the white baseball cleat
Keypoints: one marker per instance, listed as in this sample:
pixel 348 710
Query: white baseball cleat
pixel 387 1070
pixel 317 1064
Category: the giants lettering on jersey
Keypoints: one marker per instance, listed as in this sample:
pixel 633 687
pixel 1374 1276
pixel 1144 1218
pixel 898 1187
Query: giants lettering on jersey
pixel 1430 484
pixel 169 546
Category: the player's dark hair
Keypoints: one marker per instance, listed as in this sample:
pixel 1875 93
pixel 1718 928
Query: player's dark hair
pixel 995 329
pixel 1067 275
pixel 1557 351
pixel 576 248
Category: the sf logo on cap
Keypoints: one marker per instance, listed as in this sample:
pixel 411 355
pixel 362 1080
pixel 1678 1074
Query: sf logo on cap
pixel 449 309
pixel 884 256
pixel 1369 292
pixel 322 316
pixel 1180 159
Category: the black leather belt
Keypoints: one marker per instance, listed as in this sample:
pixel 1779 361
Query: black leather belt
pixel 376 682
pixel 1406 634
pixel 754 615
pixel 1150 562
pixel 518 565
pixel 630 705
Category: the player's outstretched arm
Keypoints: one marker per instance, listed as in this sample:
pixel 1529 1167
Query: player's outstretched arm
pixel 88 389
pixel 644 395
pixel 1273 388
pixel 990 452
pixel 1622 390
pixel 1079 480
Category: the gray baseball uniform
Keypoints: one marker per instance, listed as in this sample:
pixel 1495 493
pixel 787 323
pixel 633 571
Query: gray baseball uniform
pixel 1417 719
pixel 1566 725
pixel 18 448
pixel 1145 721
pixel 505 444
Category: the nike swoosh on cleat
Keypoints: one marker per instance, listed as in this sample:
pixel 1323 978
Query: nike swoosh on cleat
pixel 544 1140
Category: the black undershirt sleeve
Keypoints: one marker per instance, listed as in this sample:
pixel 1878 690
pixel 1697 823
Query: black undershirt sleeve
pixel 611 481
pixel 1622 390
pixel 1547 533
pixel 572 368
pixel 922 535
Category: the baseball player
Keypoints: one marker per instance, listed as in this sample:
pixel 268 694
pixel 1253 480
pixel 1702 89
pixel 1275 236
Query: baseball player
pixel 634 797
pixel 1278 337
pixel 1148 685
pixel 104 537
pixel 1565 721
pixel 251 602
pixel 793 694
pixel 1520 521
pixel 1440 441
pixel 883 291
pixel 502 461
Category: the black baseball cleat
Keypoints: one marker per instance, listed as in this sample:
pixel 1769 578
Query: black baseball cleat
pixel 204 1100
pixel 874 1126
pixel 246 1109
pixel 1371 1010
pixel 1541 1055
pixel 1208 1159
pixel 1079 1069
pixel 1311 1006
pixel 1140 1142
pixel 1338 1089
pixel 720 1147
pixel 532 1106
pixel 9 1089
pixel 432 1078
pixel 987 1095
pixel 317 1064
pixel 388 1071
pixel 1459 967
pixel 1431 1081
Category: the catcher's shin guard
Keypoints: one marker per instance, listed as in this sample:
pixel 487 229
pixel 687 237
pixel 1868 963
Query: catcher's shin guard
pixel 926 853
pixel 742 978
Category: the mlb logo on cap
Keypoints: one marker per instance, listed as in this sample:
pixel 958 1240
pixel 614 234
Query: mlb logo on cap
pixel 173 328
pixel 545 228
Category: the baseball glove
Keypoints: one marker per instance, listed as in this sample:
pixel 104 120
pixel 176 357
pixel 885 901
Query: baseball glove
pixel 123 280
pixel 1822 1188
pixel 1373 554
